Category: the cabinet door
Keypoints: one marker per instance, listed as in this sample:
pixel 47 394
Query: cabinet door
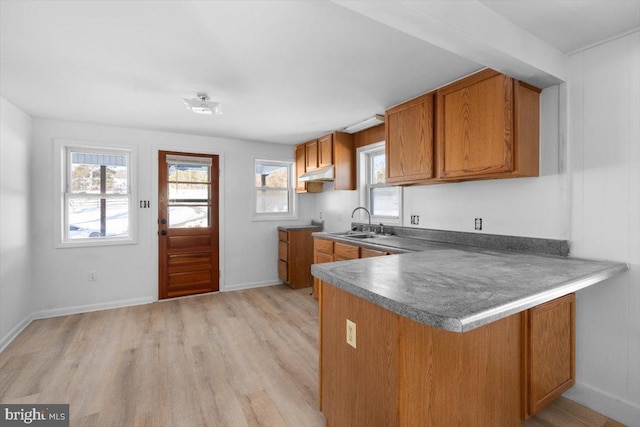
pixel 301 168
pixel 409 141
pixel 325 151
pixel 312 155
pixel 550 352
pixel 475 126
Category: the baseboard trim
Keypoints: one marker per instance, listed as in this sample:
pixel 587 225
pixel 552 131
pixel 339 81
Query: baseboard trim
pixel 241 286
pixel 13 333
pixel 57 312
pixel 607 404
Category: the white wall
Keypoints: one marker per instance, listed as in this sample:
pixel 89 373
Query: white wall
pixel 15 246
pixel 532 207
pixel 127 274
pixel 604 98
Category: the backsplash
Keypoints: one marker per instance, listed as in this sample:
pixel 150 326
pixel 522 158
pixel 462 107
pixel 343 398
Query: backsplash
pixel 487 241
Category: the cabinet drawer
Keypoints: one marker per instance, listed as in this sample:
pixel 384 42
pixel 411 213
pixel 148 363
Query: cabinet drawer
pixel 283 251
pixel 283 271
pixel 344 252
pixel 321 257
pixel 368 253
pixel 325 246
pixel 283 236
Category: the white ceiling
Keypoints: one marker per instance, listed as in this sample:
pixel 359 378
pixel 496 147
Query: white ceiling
pixel 570 25
pixel 285 71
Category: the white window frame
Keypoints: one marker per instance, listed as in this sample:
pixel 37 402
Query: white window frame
pixel 364 185
pixel 293 198
pixel 62 172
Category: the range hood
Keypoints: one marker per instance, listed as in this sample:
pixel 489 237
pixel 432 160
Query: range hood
pixel 318 175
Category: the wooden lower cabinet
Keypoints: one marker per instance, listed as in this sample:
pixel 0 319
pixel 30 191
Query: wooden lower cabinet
pixel 329 251
pixel 322 252
pixel 295 256
pixel 358 385
pixel 550 353
pixel 403 373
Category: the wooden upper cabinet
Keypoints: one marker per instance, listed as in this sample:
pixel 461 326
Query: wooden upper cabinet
pixel 312 155
pixel 409 141
pixel 325 151
pixel 301 168
pixel 344 160
pixel 487 127
pixel 335 149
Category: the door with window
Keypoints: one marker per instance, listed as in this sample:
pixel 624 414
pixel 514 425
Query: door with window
pixel 188 224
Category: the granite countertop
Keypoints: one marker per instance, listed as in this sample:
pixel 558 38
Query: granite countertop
pixel 458 288
pixel 299 227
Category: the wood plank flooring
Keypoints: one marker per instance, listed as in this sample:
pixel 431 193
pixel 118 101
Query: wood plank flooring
pixel 244 358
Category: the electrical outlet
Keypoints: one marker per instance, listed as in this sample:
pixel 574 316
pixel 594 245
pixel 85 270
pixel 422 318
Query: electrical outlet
pixel 351 333
pixel 415 219
pixel 320 215
pixel 478 223
pixel 93 276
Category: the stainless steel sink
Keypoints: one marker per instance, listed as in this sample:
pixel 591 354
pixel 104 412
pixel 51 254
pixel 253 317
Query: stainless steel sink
pixel 355 234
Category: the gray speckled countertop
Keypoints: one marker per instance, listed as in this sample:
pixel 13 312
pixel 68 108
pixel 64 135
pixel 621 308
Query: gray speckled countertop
pixel 459 288
pixel 299 227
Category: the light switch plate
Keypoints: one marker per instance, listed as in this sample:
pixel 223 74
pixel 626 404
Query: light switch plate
pixel 351 333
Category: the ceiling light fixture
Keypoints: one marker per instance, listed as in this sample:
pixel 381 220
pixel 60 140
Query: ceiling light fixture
pixel 202 105
pixel 365 124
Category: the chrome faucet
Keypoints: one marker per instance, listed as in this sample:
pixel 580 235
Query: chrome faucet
pixel 367 211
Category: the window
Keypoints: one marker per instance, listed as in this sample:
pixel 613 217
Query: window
pixel 274 196
pixel 383 201
pixel 96 198
pixel 189 190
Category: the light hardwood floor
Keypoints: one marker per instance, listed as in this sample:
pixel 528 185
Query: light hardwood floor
pixel 245 358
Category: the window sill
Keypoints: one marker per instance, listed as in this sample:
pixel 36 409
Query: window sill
pixel 88 243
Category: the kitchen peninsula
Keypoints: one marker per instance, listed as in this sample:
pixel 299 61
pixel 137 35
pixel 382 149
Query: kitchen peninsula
pixel 447 335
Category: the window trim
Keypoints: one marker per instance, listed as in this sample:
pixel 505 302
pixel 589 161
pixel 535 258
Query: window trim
pixel 293 197
pixel 364 172
pixel 62 176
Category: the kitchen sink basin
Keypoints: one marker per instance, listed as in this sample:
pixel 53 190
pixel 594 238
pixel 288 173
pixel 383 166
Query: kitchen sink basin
pixel 356 234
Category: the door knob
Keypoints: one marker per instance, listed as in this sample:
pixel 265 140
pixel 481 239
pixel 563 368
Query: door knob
pixel 163 221
pixel 163 233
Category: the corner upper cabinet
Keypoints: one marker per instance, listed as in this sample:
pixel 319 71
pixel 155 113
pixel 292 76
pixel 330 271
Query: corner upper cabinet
pixel 487 127
pixel 301 154
pixel 409 141
pixel 335 149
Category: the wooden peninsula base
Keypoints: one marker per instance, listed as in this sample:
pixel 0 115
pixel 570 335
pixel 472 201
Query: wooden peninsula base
pixel 403 373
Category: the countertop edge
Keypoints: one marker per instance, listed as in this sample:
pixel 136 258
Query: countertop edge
pixel 483 318
pixel 466 324
pixel 423 317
